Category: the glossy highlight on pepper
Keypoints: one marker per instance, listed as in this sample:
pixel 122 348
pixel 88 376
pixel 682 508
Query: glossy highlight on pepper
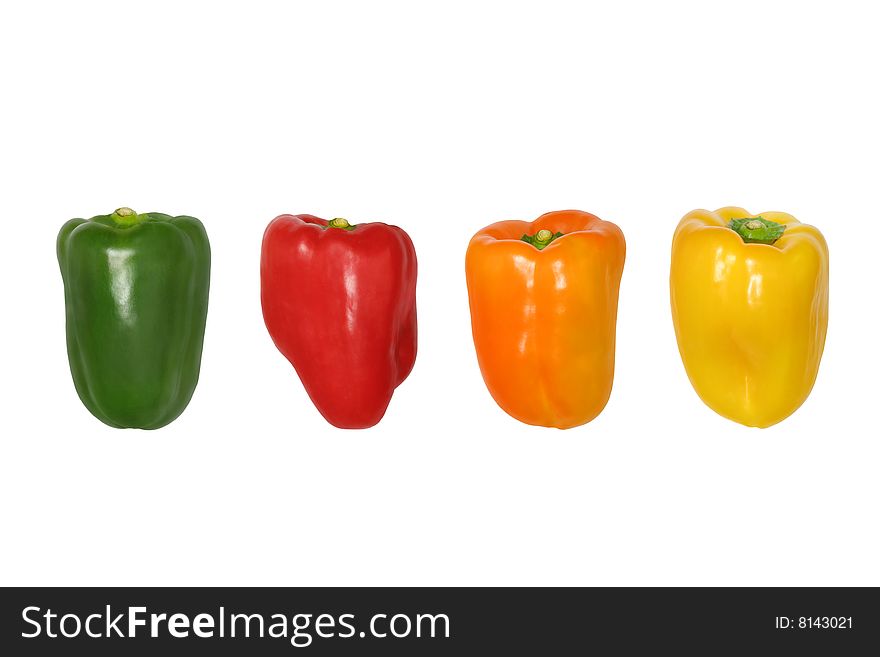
pixel 543 301
pixel 749 297
pixel 136 298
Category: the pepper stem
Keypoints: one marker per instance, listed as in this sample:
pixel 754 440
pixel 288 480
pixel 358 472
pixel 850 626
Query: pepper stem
pixel 757 230
pixel 541 239
pixel 339 222
pixel 125 217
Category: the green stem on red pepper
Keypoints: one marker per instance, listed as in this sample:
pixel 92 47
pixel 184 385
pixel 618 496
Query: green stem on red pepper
pixel 339 222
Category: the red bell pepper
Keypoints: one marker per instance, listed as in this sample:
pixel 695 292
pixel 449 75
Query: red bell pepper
pixel 340 303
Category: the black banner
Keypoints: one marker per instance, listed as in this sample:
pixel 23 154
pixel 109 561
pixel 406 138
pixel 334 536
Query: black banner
pixel 444 621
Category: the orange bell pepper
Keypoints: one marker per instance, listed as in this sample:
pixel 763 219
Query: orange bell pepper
pixel 543 300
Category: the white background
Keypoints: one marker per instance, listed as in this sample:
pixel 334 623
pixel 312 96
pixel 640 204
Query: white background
pixel 440 118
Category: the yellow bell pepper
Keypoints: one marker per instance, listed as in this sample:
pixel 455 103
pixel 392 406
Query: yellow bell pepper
pixel 749 298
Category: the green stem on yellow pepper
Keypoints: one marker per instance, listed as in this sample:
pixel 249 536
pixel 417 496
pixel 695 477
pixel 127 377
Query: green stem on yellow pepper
pixel 757 230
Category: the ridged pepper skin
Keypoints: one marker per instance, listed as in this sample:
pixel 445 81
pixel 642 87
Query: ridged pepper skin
pixel 340 303
pixel 750 317
pixel 543 301
pixel 136 296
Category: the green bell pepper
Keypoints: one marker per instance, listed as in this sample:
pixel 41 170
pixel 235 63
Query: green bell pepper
pixel 136 292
